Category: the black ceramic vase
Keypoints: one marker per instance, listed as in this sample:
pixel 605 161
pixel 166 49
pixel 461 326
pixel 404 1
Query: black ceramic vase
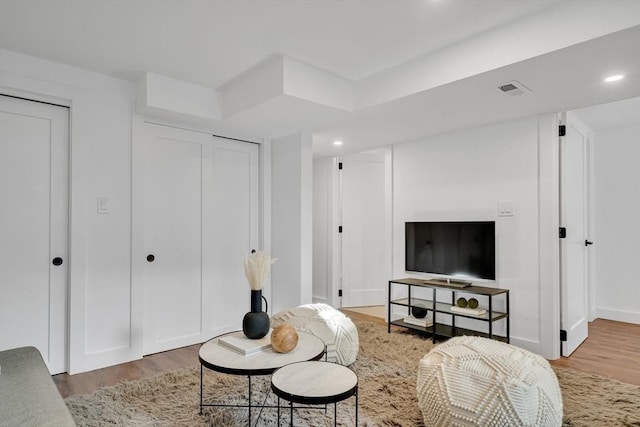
pixel 255 323
pixel 419 311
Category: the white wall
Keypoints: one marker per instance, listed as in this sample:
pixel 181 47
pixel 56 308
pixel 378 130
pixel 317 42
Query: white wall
pixel 617 223
pixel 463 176
pixel 291 221
pixel 105 307
pixel 104 325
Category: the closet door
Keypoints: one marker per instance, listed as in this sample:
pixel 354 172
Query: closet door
pixel 197 201
pixel 33 228
pixel 173 175
pixel 234 230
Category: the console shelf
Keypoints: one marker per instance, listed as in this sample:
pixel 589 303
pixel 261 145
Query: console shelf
pixel 433 307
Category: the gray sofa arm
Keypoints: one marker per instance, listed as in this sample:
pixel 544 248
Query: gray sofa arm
pixel 28 396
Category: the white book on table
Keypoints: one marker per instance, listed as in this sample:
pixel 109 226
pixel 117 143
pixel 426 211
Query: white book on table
pixel 244 345
pixel 424 322
pixel 467 310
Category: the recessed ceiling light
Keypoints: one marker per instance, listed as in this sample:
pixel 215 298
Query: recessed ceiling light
pixel 337 142
pixel 614 78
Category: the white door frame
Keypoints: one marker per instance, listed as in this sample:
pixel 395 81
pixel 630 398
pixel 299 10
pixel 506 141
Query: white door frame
pixel 549 223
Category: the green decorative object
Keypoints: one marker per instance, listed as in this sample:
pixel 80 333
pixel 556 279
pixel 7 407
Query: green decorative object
pixel 473 303
pixel 462 302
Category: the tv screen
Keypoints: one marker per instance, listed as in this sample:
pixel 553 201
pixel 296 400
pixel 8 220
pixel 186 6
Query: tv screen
pixel 456 249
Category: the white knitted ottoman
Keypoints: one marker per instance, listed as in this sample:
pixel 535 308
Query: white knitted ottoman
pixel 474 381
pixel 330 325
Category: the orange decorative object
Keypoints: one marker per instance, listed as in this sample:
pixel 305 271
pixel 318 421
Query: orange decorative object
pixel 284 338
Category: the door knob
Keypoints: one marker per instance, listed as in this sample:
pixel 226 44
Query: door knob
pixel 150 258
pixel 587 243
pixel 57 261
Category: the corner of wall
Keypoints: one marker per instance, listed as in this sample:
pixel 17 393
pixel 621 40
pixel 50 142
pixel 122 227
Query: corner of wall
pixel 292 204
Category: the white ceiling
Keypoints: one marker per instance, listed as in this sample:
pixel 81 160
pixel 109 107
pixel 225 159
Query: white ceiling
pixel 560 81
pixel 209 43
pixel 611 114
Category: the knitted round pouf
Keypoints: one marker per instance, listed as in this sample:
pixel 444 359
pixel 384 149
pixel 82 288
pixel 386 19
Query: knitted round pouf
pixel 330 325
pixel 474 381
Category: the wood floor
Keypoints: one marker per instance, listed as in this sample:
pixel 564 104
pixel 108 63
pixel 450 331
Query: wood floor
pixel 612 350
pixel 148 366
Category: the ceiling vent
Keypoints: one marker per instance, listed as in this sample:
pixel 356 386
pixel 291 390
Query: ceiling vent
pixel 514 88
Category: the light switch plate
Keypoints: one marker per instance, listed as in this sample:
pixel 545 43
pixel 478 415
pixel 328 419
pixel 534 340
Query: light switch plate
pixel 104 206
pixel 505 208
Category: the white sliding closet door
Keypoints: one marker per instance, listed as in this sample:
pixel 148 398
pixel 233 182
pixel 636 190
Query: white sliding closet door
pixel 234 230
pixel 173 177
pixel 199 213
pixel 33 228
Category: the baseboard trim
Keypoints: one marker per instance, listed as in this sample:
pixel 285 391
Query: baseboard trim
pixel 618 315
pixel 532 346
pixel 318 300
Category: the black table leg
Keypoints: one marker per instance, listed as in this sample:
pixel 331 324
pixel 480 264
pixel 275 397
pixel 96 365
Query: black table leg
pixel 249 400
pixel 291 406
pixel 356 408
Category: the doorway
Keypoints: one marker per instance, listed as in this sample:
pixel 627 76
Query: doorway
pixel 612 207
pixel 365 245
pixel 574 242
pixel 34 164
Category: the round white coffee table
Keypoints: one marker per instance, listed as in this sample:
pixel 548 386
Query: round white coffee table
pixel 219 358
pixel 315 383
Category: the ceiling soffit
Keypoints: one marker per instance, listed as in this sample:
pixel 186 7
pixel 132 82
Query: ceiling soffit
pixel 280 85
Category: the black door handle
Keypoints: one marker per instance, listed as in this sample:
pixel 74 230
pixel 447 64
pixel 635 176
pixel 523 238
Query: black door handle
pixel 150 258
pixel 587 243
pixel 57 261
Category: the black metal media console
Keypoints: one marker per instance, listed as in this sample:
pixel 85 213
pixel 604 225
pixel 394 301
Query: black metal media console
pixel 433 306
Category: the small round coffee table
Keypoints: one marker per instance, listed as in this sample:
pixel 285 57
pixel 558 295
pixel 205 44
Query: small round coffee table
pixel 315 383
pixel 219 358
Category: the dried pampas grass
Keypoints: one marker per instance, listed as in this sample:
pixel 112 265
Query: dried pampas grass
pixel 256 268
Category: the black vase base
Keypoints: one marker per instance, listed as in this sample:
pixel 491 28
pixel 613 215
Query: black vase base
pixel 256 325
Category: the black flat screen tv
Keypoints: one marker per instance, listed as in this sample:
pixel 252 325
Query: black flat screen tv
pixel 465 250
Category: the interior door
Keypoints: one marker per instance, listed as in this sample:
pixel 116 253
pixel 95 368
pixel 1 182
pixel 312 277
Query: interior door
pixel 174 172
pixel 234 231
pixel 33 228
pixel 200 219
pixel 573 217
pixel 364 270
